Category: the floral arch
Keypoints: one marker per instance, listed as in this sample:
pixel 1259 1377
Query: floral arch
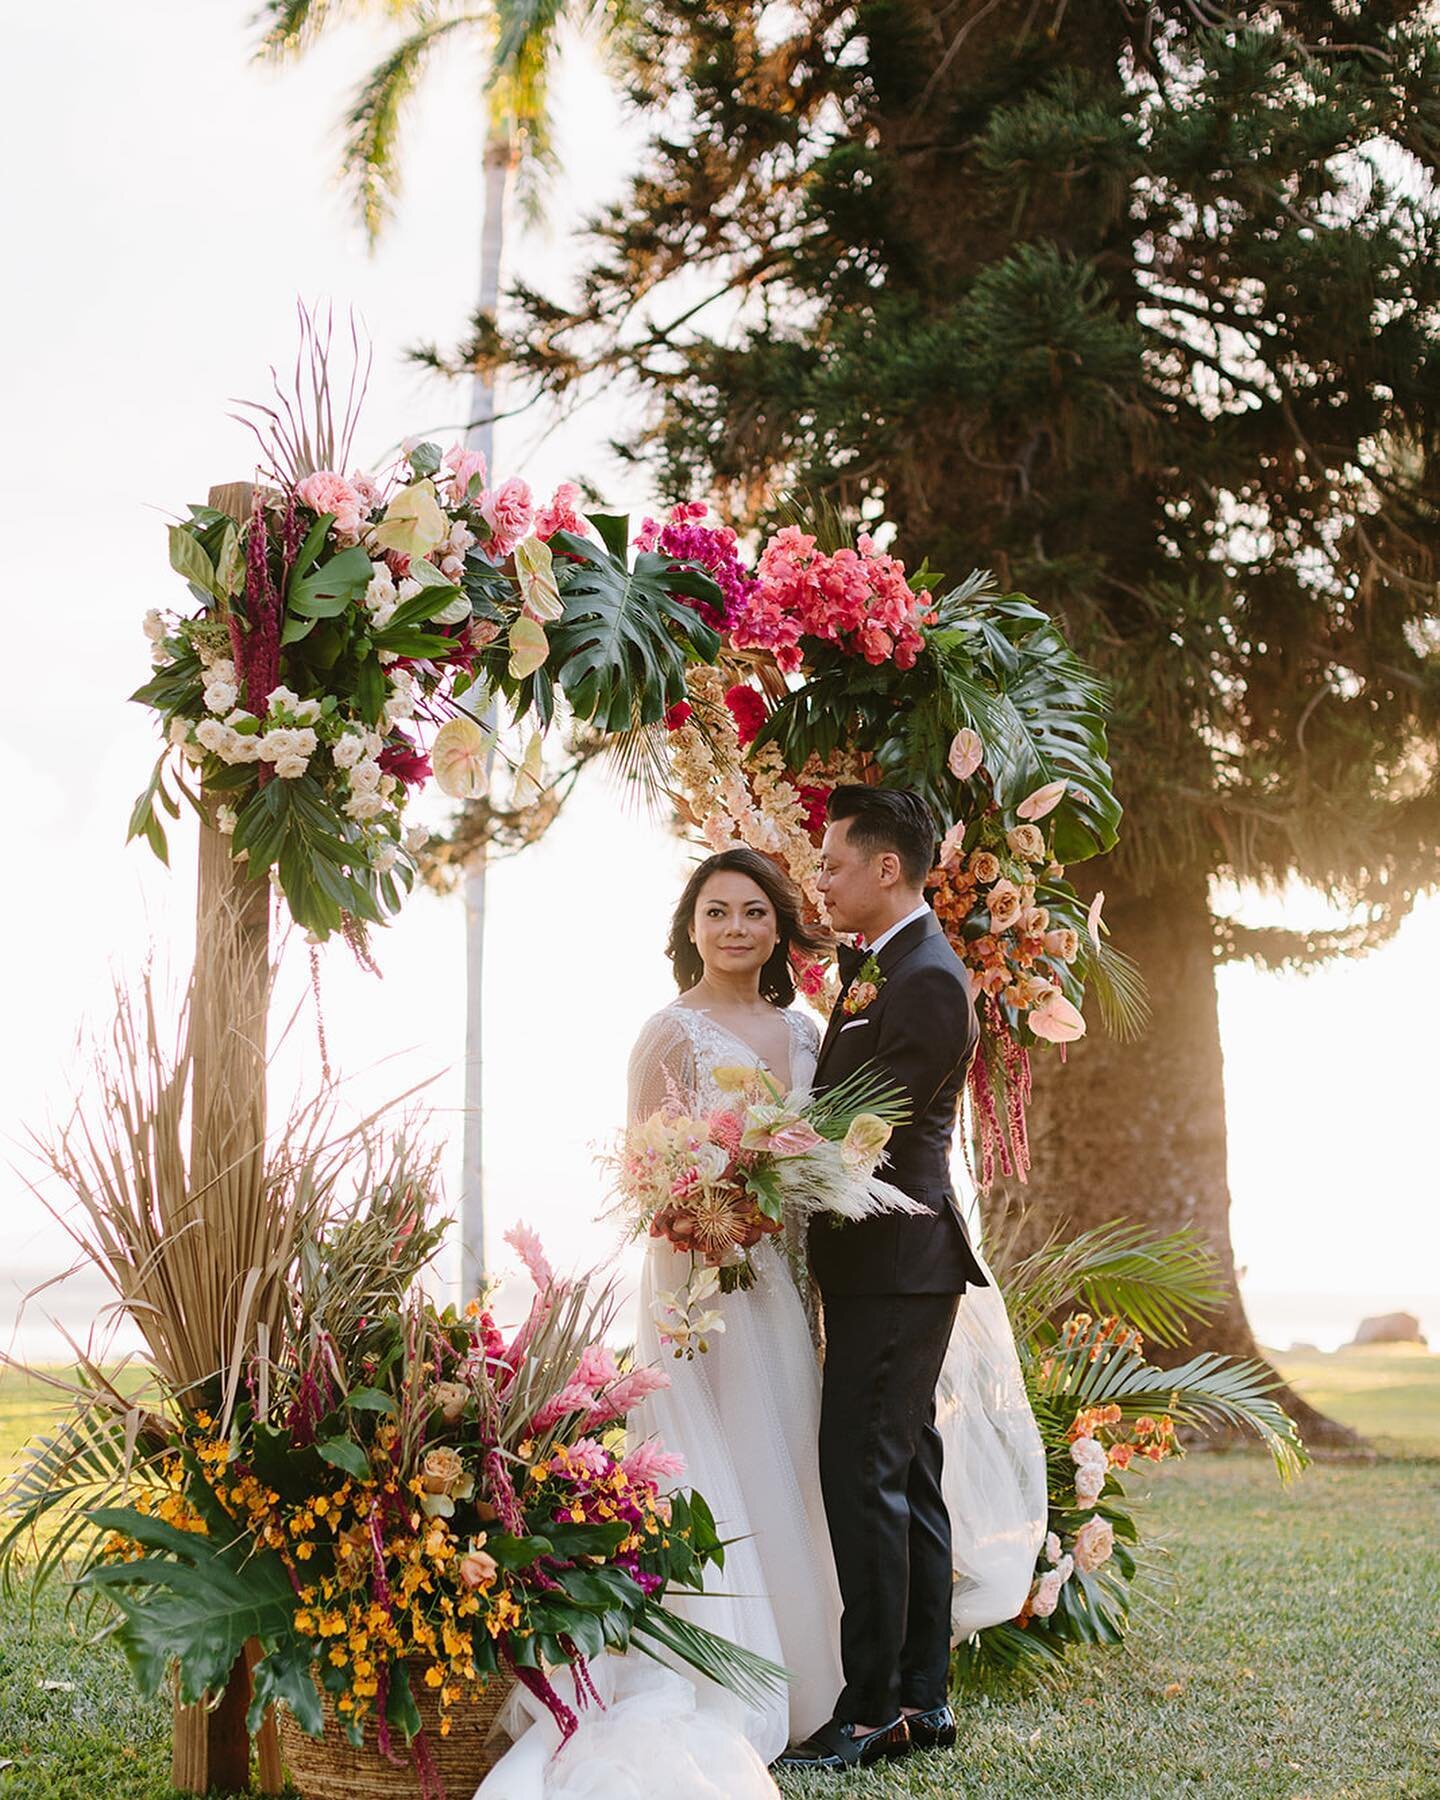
pixel 351 637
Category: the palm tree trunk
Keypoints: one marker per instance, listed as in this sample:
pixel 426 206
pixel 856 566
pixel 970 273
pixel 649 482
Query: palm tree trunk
pixel 1136 1131
pixel 500 159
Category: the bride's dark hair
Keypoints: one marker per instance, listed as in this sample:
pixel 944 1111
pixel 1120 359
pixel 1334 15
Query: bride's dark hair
pixel 777 983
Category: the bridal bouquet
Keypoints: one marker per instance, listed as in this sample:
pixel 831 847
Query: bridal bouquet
pixel 717 1183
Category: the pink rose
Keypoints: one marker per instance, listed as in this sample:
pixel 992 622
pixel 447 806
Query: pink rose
pixel 464 465
pixel 1094 1542
pixel 1026 841
pixel 327 492
pixel 509 511
pixel 478 1569
pixel 984 866
pixel 1063 943
pixel 560 514
pixel 1045 1596
pixel 1004 903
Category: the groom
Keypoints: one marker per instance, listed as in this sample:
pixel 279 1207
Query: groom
pixel 890 1286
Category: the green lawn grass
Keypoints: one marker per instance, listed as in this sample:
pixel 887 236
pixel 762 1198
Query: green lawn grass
pixel 1289 1648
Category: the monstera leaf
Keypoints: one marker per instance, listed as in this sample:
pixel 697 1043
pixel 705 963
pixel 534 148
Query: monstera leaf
pixel 1048 723
pixel 193 1602
pixel 620 648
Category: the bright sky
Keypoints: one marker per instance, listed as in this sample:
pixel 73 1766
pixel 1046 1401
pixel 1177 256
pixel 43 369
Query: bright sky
pixel 168 202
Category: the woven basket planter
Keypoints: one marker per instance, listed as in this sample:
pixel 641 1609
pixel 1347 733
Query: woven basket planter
pixel 330 1768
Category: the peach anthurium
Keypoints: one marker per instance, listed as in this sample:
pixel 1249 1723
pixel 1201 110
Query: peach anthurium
pixel 966 753
pixel 952 843
pixel 460 757
pixel 1092 920
pixel 529 646
pixel 1056 1020
pixel 1043 800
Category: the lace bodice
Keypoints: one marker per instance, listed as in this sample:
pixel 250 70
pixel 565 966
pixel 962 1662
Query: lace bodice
pixel 681 1047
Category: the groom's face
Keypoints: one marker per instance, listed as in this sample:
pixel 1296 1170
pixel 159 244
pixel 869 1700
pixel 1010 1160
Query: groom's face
pixel 853 882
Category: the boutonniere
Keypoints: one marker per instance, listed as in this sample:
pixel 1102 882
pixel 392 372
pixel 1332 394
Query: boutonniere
pixel 864 987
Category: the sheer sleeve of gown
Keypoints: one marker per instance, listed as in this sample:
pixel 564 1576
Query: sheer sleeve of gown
pixel 662 1063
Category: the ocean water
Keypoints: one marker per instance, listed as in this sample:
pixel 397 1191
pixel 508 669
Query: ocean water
pixel 36 1330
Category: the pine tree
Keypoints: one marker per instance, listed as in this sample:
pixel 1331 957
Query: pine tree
pixel 1136 305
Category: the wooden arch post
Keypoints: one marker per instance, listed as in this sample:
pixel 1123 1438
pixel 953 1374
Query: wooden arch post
pixel 229 1008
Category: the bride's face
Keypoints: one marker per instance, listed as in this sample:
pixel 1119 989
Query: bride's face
pixel 734 927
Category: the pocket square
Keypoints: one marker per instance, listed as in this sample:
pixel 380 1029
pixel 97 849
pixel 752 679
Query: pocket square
pixel 850 1026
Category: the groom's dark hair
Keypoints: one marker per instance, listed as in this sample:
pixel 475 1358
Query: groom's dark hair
pixel 894 819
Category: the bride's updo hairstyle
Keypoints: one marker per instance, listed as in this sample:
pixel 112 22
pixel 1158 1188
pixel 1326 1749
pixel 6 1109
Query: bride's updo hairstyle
pixel 777 982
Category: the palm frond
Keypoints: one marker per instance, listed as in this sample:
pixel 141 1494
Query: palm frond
pixel 291 26
pixel 1157 1284
pixel 1119 989
pixel 1211 1390
pixel 819 516
pixel 373 127
pixel 744 1673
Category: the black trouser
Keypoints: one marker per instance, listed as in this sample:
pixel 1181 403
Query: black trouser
pixel 880 1459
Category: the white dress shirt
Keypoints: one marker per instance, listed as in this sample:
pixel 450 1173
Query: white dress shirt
pixel 900 924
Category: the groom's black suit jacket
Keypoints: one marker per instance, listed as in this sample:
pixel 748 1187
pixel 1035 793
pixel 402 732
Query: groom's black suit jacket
pixel 920 1031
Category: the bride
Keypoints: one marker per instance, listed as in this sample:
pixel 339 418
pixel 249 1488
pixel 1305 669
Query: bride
pixel 745 1416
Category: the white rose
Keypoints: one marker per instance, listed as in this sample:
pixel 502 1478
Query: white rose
pixel 365 777
pixel 1089 1450
pixel 307 710
pixel 304 740
pixel 289 768
pixel 374 743
pixel 240 748
pixel 220 696
pixel 154 625
pixel 408 588
pixel 386 657
pixel 364 806
pixel 381 616
pixel 179 731
pixel 381 591
pixel 212 734
pixel 218 668
pixel 1089 1481
pixel 1046 1595
pixel 388 784
pixel 282 696
pixel 348 750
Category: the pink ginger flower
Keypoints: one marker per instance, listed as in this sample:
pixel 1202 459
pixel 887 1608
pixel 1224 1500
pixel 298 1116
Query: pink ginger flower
pixel 526 1245
pixel 597 1366
pixel 648 1462
pixel 626 1395
pixel 574 1397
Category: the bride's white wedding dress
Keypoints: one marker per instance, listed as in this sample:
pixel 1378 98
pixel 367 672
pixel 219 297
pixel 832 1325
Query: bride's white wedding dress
pixel 746 1416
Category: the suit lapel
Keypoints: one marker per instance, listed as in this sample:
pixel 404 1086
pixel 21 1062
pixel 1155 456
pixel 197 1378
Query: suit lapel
pixel 890 957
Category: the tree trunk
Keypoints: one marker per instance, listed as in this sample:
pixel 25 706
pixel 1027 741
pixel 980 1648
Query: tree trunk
pixel 500 156
pixel 1136 1131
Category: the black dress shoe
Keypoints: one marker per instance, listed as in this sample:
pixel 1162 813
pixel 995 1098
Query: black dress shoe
pixel 933 1730
pixel 834 1747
